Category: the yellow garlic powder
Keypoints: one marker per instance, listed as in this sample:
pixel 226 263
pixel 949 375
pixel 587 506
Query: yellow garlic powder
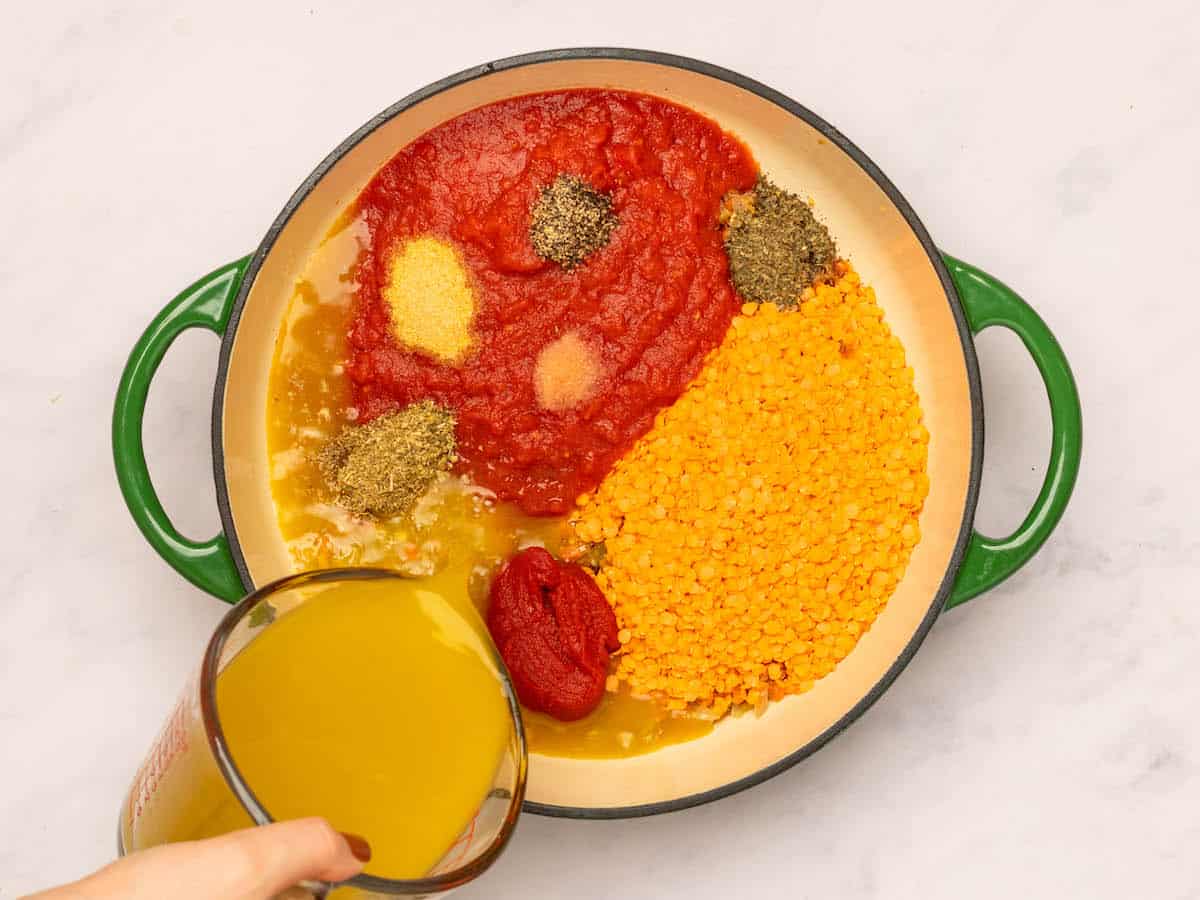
pixel 429 294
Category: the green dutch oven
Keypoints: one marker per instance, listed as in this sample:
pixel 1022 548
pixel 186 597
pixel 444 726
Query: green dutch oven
pixel 933 302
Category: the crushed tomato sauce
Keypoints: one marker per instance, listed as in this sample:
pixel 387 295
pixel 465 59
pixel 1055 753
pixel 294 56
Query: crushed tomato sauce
pixel 554 630
pixel 650 304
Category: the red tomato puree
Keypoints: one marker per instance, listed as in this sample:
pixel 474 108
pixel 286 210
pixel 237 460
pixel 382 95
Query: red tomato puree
pixel 650 304
pixel 554 630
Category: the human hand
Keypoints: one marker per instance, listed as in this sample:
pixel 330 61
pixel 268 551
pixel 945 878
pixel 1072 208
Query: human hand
pixel 254 864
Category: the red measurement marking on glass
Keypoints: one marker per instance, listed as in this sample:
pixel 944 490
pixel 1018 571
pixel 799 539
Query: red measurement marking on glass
pixel 171 742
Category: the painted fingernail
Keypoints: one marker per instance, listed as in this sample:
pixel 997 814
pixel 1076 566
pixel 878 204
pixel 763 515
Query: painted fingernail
pixel 358 846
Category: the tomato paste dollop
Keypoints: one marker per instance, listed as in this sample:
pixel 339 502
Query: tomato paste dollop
pixel 642 311
pixel 555 632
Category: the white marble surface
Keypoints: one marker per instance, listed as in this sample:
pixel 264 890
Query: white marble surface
pixel 1044 743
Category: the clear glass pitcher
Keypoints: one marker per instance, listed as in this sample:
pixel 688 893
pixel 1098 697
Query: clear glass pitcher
pixel 190 761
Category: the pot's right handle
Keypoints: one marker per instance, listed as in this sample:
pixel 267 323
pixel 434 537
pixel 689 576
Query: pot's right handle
pixel 206 304
pixel 988 561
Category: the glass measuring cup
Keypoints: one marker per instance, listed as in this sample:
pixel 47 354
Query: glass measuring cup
pixel 189 786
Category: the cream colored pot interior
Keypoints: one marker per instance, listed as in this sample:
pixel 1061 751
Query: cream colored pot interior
pixel 869 229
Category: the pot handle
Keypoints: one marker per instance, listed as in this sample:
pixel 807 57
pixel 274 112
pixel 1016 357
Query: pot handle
pixel 988 561
pixel 206 304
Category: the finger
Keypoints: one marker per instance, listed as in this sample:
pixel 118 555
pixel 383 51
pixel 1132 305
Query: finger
pixel 275 857
pixel 254 864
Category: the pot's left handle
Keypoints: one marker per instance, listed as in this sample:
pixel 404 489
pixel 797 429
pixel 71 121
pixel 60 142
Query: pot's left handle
pixel 206 304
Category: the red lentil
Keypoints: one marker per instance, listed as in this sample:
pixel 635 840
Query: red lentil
pixel 761 525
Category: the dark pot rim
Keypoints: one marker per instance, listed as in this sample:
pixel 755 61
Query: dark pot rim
pixel 831 134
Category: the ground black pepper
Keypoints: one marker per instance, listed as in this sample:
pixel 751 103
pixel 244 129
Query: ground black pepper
pixel 570 221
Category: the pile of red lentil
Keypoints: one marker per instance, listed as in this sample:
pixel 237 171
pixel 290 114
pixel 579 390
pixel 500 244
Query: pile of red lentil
pixel 758 529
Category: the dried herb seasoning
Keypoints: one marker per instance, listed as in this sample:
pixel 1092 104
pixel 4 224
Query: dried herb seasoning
pixel 776 246
pixel 570 221
pixel 593 556
pixel 263 614
pixel 383 468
